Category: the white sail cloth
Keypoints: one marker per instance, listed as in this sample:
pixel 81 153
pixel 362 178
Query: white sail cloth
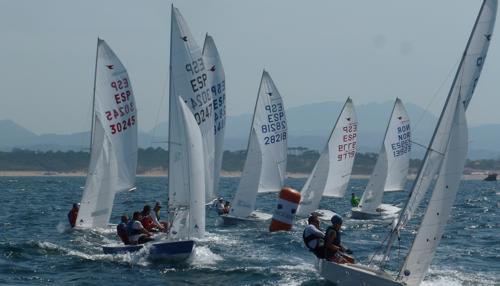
pixel 217 81
pixel 443 196
pixel 393 160
pixel 113 158
pixel 265 165
pixel 332 171
pixel 188 79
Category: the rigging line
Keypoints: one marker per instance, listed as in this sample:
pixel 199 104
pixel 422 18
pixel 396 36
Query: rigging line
pixel 435 94
pixel 158 112
pixel 426 148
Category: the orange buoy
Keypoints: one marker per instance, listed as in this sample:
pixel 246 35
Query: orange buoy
pixel 285 210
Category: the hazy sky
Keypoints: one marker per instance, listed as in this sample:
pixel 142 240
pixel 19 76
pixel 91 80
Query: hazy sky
pixel 315 51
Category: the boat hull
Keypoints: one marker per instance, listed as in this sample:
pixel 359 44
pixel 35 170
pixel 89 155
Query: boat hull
pixel 386 212
pixel 254 218
pixel 354 275
pixel 168 250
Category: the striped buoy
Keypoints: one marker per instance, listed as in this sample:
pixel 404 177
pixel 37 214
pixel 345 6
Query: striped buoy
pixel 285 210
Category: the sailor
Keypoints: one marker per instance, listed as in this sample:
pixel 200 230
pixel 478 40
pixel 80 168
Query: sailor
pixel 220 206
pixel 73 214
pixel 137 234
pixel 334 250
pixel 354 200
pixel 155 215
pixel 121 229
pixel 147 221
pixel 314 237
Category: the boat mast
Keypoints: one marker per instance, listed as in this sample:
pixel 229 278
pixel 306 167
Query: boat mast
pixel 93 97
pixel 401 223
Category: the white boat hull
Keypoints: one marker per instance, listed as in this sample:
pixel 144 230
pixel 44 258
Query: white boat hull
pixel 354 275
pixel 386 212
pixel 254 217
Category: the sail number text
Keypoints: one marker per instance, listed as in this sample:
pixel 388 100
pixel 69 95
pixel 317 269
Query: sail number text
pixel 276 124
pixel 219 103
pixel 347 149
pixel 403 145
pixel 122 115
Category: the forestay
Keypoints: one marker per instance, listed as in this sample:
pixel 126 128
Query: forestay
pixel 393 160
pixel 113 158
pixel 439 208
pixel 265 165
pixel 332 171
pixel 217 80
pixel 188 79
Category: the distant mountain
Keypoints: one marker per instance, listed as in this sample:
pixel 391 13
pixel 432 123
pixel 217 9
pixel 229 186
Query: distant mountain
pixel 309 126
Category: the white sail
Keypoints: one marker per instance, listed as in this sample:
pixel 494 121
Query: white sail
pixel 265 165
pixel 189 219
pixel 393 160
pixel 217 80
pixel 332 171
pixel 113 158
pixel 188 79
pixel 439 208
pixel 464 83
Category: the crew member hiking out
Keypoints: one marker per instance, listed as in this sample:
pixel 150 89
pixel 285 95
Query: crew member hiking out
pixel 314 237
pixel 334 251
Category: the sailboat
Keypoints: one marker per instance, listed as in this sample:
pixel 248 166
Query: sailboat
pixel 217 80
pixel 332 171
pixel 113 147
pixel 445 158
pixel 391 168
pixel 187 205
pixel 190 140
pixel 265 165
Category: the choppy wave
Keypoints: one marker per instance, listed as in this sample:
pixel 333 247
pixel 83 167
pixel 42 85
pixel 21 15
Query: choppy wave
pixel 37 246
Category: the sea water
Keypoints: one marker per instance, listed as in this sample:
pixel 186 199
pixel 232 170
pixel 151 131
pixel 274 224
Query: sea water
pixel 38 248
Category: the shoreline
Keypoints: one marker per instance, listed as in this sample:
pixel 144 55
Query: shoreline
pixel 161 173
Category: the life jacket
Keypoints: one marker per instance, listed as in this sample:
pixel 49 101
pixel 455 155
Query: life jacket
pixel 337 239
pixel 147 222
pixel 72 215
pixel 131 231
pixel 122 231
pixel 310 238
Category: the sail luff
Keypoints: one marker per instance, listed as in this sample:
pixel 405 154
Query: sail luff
pixel 93 96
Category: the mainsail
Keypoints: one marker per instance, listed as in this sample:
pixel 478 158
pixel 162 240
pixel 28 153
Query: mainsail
pixel 332 171
pixel 188 79
pixel 393 160
pixel 217 85
pixel 113 158
pixel 265 165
